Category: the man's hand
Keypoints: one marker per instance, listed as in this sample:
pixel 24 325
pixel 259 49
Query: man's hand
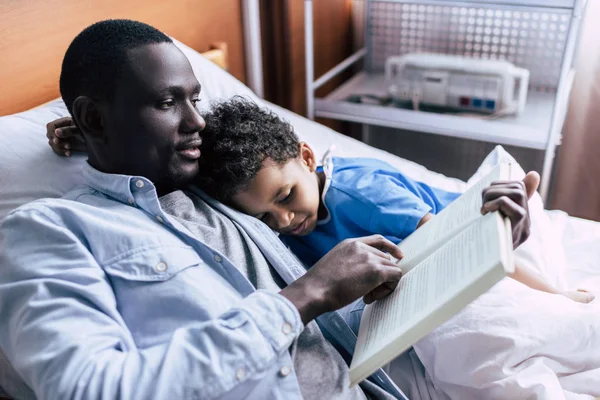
pixel 64 137
pixel 353 268
pixel 510 198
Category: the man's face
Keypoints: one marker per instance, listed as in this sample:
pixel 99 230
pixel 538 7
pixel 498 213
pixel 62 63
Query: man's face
pixel 152 125
pixel 284 196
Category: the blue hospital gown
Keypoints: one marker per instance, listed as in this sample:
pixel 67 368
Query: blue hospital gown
pixel 364 196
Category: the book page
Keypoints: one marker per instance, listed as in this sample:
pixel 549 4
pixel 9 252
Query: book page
pixel 451 220
pixel 442 284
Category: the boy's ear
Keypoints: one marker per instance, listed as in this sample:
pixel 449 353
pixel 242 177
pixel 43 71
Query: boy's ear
pixel 308 156
pixel 88 118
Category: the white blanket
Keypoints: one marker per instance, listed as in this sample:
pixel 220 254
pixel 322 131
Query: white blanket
pixel 518 343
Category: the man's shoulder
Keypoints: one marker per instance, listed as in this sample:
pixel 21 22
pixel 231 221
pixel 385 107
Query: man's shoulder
pixel 53 206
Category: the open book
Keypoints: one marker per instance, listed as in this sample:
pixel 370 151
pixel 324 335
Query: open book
pixel 448 262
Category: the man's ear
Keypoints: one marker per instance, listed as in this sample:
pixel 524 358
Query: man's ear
pixel 88 118
pixel 308 156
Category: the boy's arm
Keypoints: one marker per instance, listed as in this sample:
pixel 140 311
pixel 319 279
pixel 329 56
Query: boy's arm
pixel 527 277
pixel 426 218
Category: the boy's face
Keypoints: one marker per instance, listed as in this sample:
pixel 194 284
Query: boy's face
pixel 284 196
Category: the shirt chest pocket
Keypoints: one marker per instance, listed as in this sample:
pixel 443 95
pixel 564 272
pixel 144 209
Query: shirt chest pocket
pixel 153 288
pixel 152 264
pixel 152 284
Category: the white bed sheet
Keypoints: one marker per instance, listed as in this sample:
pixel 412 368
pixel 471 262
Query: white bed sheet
pixel 582 246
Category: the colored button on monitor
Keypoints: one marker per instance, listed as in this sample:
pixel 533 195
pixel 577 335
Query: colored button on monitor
pixel 477 103
pixel 464 101
pixel 490 104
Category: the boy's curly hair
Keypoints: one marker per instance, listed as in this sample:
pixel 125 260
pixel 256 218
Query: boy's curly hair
pixel 238 137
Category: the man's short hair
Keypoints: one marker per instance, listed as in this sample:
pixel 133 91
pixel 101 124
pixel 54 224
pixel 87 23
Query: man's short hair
pixel 238 137
pixel 94 59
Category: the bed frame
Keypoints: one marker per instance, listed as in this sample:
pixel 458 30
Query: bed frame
pixel 36 34
pixel 218 55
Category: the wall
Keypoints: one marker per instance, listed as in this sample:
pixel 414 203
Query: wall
pixel 577 187
pixel 283 47
pixel 34 35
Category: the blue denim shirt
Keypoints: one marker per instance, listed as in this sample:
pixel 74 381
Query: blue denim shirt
pixel 103 295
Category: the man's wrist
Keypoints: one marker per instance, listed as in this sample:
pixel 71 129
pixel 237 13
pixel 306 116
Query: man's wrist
pixel 307 298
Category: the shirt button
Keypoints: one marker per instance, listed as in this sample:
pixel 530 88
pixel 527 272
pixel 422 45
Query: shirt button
pixel 161 267
pixel 139 183
pixel 240 374
pixel 285 371
pixel 160 219
pixel 218 258
pixel 286 328
pixel 130 201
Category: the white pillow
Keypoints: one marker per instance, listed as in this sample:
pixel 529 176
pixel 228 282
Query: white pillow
pixel 30 170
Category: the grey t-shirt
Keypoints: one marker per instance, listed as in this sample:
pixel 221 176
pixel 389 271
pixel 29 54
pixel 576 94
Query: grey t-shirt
pixel 321 371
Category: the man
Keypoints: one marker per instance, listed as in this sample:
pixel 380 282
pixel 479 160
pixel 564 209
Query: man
pixel 131 287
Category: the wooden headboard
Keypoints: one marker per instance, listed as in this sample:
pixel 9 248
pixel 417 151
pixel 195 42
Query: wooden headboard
pixel 34 35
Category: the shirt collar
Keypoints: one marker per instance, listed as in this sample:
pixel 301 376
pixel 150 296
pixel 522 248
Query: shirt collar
pixel 328 171
pixel 123 188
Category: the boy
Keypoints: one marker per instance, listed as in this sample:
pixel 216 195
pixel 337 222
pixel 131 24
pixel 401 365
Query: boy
pixel 253 161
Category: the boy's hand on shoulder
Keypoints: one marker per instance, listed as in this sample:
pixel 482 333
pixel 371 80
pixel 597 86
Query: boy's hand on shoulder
pixel 363 267
pixel 510 198
pixel 64 137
